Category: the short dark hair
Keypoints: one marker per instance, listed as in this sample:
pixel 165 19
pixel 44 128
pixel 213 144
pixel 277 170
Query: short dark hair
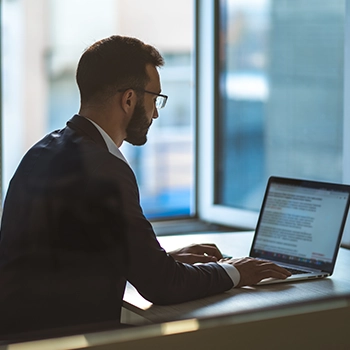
pixel 112 64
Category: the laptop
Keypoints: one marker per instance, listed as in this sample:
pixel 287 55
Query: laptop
pixel 300 226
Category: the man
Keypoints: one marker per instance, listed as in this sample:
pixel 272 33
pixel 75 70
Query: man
pixel 72 228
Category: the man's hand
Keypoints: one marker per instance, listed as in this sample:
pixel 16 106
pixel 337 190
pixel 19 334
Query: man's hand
pixel 252 271
pixel 197 253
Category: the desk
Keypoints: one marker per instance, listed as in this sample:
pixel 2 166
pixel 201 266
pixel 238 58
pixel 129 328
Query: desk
pixel 239 300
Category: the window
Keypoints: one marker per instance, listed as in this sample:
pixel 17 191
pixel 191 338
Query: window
pixel 42 43
pixel 281 111
pixel 275 99
pixel 270 85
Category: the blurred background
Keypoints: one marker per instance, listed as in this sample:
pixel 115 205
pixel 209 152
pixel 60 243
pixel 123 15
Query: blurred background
pixel 280 90
pixel 42 43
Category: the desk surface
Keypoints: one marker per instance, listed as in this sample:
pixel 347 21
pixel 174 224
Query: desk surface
pixel 242 299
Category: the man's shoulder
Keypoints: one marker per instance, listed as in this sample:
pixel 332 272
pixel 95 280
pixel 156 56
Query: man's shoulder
pixel 66 151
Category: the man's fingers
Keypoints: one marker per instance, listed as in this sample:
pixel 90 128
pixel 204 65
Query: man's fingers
pixel 207 258
pixel 208 249
pixel 252 271
pixel 193 253
pixel 195 258
pixel 274 273
pixel 273 267
pixel 274 270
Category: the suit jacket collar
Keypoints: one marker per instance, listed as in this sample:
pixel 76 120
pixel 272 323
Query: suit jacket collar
pixel 83 125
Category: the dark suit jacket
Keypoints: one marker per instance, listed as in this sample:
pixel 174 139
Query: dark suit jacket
pixel 73 232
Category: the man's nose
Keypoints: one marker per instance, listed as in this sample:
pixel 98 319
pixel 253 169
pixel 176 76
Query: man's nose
pixel 155 114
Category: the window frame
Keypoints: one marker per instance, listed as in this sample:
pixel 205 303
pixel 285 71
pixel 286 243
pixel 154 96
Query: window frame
pixel 346 129
pixel 207 107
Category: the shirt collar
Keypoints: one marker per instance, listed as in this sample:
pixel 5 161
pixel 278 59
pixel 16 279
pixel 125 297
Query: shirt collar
pixel 112 147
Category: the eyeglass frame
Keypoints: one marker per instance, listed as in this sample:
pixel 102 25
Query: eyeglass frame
pixel 164 97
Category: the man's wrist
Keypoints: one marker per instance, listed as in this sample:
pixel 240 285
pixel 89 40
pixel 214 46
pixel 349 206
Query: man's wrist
pixel 232 272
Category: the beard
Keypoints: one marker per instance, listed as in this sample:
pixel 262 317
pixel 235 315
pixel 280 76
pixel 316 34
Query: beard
pixel 137 129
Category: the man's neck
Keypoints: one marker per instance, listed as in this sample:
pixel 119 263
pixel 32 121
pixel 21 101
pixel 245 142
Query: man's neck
pixel 107 121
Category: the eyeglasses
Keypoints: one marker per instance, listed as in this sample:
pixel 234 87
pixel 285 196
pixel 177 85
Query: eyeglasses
pixel 160 100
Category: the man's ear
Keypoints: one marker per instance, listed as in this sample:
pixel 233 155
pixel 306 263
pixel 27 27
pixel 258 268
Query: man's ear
pixel 128 101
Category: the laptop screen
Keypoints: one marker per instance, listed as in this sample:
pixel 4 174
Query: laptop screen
pixel 301 222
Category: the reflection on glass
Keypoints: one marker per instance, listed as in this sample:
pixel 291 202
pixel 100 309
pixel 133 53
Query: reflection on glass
pixel 281 88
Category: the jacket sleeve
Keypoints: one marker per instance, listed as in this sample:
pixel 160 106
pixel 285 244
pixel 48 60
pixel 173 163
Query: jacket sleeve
pixel 155 274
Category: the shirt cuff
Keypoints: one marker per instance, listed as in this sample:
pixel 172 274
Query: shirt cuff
pixel 232 272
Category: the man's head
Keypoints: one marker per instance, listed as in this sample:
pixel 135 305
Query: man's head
pixel 113 64
pixel 124 66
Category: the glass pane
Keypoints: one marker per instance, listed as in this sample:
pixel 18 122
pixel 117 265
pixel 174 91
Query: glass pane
pixel 42 43
pixel 281 107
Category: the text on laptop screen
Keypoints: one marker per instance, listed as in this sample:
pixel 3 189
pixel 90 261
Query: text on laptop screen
pixel 300 224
